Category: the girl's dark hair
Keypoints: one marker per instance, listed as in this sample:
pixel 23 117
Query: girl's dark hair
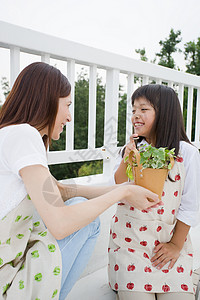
pixel 34 98
pixel 168 126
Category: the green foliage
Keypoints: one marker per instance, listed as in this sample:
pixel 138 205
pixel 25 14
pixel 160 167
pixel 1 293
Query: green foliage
pixel 5 86
pixel 151 157
pixel 94 167
pixel 142 53
pixel 168 47
pixel 192 56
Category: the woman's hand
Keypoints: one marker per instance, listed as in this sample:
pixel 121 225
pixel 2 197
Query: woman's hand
pixel 141 198
pixel 165 252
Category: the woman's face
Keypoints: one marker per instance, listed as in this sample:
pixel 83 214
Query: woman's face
pixel 143 119
pixel 63 116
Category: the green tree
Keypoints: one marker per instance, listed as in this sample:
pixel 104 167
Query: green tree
pixel 168 47
pixel 142 53
pixel 5 86
pixel 192 57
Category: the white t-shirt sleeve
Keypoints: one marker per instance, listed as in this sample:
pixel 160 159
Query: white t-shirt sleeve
pixel 189 208
pixel 23 146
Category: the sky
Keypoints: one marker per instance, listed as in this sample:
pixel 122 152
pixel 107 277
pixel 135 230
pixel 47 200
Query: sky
pixel 118 26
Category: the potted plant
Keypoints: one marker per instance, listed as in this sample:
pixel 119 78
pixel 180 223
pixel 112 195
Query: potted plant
pixel 149 167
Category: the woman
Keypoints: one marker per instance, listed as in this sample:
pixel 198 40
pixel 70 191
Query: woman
pixel 45 244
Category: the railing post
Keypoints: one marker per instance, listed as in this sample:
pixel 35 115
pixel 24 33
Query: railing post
pixel 111 120
pixel 130 88
pixel 189 112
pixel 45 58
pixel 145 80
pixel 92 107
pixel 70 126
pixel 180 95
pixel 14 64
pixel 197 124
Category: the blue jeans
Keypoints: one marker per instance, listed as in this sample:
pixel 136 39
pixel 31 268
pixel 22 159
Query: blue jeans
pixel 76 250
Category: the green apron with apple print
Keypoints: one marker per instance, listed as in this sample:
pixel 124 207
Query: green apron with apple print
pixel 30 258
pixel 134 234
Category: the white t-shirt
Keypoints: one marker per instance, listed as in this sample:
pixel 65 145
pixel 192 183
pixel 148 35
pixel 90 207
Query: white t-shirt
pixel 20 146
pixel 188 211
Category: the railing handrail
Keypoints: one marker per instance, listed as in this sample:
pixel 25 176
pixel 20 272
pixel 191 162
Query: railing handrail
pixel 58 48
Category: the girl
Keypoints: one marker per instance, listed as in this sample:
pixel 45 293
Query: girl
pixel 150 252
pixel 45 244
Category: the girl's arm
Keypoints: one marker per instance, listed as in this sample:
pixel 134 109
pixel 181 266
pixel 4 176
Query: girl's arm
pixel 120 174
pixel 171 250
pixel 62 220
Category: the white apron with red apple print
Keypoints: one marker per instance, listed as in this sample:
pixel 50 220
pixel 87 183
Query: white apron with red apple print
pixel 134 235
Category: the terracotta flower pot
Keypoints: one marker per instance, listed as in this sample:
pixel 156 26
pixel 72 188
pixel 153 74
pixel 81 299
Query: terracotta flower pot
pixel 151 179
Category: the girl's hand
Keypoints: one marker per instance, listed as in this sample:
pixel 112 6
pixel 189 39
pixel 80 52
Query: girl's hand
pixel 141 198
pixel 131 145
pixel 165 252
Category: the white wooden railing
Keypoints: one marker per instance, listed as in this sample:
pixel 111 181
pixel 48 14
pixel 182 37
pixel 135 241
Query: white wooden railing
pixel 18 39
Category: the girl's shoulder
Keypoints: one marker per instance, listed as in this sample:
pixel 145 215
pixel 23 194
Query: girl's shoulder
pixel 187 148
pixel 188 151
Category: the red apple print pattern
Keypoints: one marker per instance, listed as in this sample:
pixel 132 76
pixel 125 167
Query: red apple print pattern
pixel 179 159
pixel 146 255
pixel 131 250
pixel 116 286
pixel 116 249
pixel 177 177
pixel 160 211
pixel 176 193
pixel 147 270
pixel 173 211
pixel 114 235
pixel 156 243
pixel 165 288
pixel 128 240
pixel 131 268
pixel 143 228
pixel 144 211
pixel 180 269
pixel 132 208
pixel 165 270
pixel 148 287
pixel 116 267
pixel 130 285
pixel 128 224
pixel 116 219
pixel 163 194
pixel 184 287
pixel 121 204
pixel 143 243
pixel 158 228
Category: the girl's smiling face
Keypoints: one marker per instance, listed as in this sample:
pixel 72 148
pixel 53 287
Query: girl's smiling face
pixel 143 119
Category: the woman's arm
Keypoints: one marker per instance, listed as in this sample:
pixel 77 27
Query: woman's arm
pixel 68 191
pixel 171 250
pixel 62 220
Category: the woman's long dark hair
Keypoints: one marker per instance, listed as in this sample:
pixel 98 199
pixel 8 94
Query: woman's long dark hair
pixel 168 126
pixel 34 98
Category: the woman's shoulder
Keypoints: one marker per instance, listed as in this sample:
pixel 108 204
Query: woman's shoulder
pixel 19 130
